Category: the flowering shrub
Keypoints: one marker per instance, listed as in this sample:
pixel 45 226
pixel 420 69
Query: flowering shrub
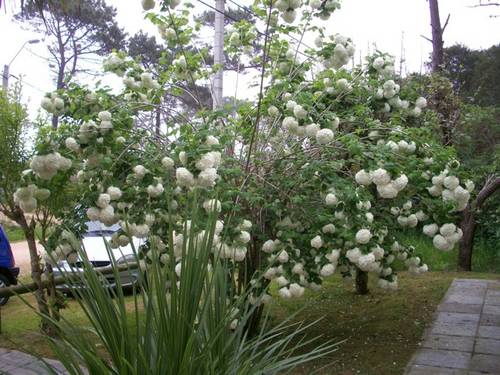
pixel 317 177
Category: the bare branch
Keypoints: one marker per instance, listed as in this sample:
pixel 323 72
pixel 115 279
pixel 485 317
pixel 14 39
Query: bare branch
pixel 446 23
pixel 429 40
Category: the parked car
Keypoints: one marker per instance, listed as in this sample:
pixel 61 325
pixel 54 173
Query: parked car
pixel 97 254
pixel 8 269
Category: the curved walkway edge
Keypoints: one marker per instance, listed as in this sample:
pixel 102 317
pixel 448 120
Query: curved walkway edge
pixel 13 362
pixel 465 336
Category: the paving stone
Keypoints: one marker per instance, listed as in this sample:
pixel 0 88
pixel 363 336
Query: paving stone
pixel 459 308
pixel 431 370
pixel 491 309
pixel 462 344
pixel 487 346
pixel 442 358
pixel 490 332
pixel 464 299
pixel 454 329
pixel 494 285
pixel 490 320
pixel 489 364
pixel 457 318
pixel 492 300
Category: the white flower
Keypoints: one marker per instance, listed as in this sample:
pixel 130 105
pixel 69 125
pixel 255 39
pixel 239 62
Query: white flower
pixel 269 246
pixel 469 185
pixel 365 262
pixel 167 162
pixel 299 112
pixel 363 236
pixel 430 230
pixel 107 215
pixel 353 255
pixel 104 116
pixel 289 15
pixel 114 193
pixel 184 177
pixel 71 144
pixel 447 229
pixel 244 237
pixel 155 190
pixel 451 182
pixel 387 191
pixel 183 157
pixel 327 270
pixel 317 242
pixel 283 256
pixel 273 111
pixel 400 182
pixel 207 177
pixel 441 243
pixel 331 199
pixel 290 123
pixel 363 177
pixel 435 190
pixel 284 292
pixel 211 141
pixel 103 200
pixel 369 217
pixel 380 177
pixel 421 102
pixel 324 136
pixel 206 161
pixel 93 213
pixel 315 4
pixel 296 290
pixel 148 4
pixel 246 225
pixel 412 221
pixel 312 130
pixel 421 215
pixel 139 171
pixel 211 205
pixel 328 228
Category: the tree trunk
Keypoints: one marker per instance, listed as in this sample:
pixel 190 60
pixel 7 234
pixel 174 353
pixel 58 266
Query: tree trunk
pixel 468 226
pixel 36 275
pixel 468 223
pixel 361 282
pixel 437 36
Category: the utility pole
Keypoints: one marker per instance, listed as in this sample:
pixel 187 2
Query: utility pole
pixel 5 78
pixel 218 54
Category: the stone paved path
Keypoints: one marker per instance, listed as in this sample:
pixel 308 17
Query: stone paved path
pixel 13 362
pixel 465 336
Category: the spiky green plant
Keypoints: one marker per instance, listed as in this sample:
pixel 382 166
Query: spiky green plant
pixel 188 324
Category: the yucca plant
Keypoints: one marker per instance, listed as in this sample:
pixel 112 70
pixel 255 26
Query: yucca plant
pixel 180 321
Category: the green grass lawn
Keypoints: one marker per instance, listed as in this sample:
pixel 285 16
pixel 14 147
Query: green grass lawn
pixel 378 332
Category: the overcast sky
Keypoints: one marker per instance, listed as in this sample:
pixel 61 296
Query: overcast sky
pixel 381 23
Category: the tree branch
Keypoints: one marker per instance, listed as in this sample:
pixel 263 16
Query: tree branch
pixel 490 187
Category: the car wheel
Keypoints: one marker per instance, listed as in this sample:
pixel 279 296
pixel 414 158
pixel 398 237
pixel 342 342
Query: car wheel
pixel 3 283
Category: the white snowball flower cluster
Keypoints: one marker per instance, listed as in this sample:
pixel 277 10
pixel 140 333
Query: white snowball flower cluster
pixel 448 236
pixel 389 89
pixel 402 146
pixel 156 190
pixel 448 187
pixel 415 265
pixel 236 253
pixel 324 136
pixel 270 246
pixel 386 187
pixel 342 52
pixel 135 230
pixel 104 211
pixel 105 123
pixel 294 290
pixel 363 236
pixel 27 197
pixel 53 103
pixel 420 104
pixel 384 65
pixel 113 63
pixel 148 82
pixel 67 249
pixel 388 285
pixel 148 4
pixel 207 166
pixel 287 9
pixel 47 166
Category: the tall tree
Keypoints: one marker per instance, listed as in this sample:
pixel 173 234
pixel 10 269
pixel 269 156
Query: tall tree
pixel 76 30
pixel 437 36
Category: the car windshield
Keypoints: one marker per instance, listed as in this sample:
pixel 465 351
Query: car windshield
pixel 96 228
